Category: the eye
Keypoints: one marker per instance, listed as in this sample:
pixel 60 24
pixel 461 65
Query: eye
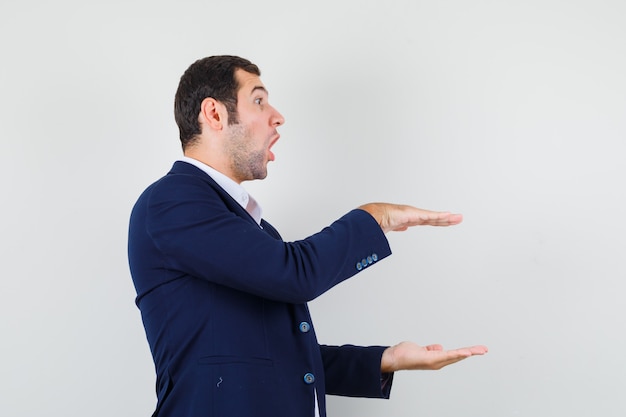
pixel 258 101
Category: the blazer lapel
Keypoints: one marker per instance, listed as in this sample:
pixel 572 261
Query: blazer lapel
pixel 183 168
pixel 270 230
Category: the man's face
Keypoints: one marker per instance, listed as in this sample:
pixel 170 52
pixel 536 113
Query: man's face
pixel 248 142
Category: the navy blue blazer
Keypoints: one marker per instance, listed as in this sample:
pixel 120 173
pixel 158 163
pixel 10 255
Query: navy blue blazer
pixel 223 303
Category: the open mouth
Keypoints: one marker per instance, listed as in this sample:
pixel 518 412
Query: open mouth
pixel 272 157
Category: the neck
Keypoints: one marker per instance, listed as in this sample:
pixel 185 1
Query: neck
pixel 216 163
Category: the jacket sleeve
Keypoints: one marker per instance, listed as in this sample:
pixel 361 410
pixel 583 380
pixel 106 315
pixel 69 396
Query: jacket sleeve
pixel 354 371
pixel 197 234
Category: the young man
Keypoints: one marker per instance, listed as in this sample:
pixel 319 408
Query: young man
pixel 223 297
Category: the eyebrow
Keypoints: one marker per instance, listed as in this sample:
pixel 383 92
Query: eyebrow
pixel 259 87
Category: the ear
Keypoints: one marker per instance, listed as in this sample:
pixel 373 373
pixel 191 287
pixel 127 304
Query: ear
pixel 213 114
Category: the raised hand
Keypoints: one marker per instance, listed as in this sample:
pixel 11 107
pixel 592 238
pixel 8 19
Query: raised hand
pixel 397 217
pixel 410 356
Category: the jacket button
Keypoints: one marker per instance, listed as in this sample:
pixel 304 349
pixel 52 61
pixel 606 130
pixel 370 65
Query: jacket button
pixel 359 266
pixel 309 378
pixel 374 257
pixel 305 327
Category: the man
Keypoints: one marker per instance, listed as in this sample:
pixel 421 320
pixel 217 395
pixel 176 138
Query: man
pixel 223 298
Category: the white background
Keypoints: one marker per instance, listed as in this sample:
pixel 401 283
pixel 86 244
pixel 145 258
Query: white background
pixel 512 113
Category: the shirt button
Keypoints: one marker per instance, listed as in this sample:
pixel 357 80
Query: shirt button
pixel 305 327
pixel 309 378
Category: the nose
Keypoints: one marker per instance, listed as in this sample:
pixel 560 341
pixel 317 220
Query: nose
pixel 277 119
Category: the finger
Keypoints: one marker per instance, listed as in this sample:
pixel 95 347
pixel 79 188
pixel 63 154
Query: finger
pixel 456 218
pixel 442 359
pixel 435 347
pixel 439 219
pixel 476 350
pixel 443 364
pixel 450 219
pixel 479 350
pixel 457 355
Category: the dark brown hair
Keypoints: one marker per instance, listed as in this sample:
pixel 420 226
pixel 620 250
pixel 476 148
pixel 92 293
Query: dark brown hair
pixel 214 77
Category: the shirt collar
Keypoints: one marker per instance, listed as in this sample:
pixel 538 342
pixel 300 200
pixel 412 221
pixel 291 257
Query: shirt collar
pixel 236 191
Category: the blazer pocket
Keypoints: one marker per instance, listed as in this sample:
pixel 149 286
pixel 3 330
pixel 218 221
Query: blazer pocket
pixel 223 359
pixel 240 386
